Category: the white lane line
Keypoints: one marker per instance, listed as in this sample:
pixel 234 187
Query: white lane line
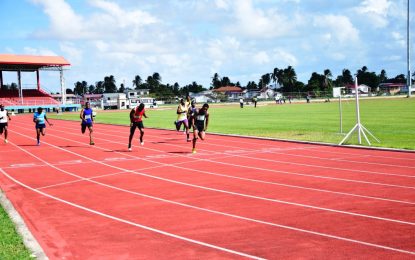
pixel 265 143
pixel 136 224
pixel 273 183
pixel 293 163
pixel 212 211
pixel 253 180
pixel 228 192
pixel 271 170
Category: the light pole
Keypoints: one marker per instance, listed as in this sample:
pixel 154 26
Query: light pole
pixel 408 51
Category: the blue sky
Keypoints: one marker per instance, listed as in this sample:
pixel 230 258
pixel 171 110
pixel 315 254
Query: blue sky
pixel 186 41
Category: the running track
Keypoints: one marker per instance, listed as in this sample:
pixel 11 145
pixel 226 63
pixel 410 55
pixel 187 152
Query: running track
pixel 235 198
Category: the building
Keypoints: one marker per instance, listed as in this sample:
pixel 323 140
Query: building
pixel 114 101
pixel 233 93
pixel 392 88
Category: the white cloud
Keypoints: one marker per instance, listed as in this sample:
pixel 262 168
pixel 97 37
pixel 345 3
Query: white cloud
pixel 71 52
pixel 337 27
pixel 259 23
pixel 261 58
pixel 375 11
pixel 108 21
pixel 39 51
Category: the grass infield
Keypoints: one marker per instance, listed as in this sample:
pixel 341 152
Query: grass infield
pixel 11 244
pixel 391 120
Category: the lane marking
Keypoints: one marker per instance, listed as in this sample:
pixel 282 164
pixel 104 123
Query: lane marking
pixel 224 191
pixel 203 209
pixel 289 173
pixel 135 224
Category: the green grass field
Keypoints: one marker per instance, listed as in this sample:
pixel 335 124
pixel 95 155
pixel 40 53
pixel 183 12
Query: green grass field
pixel 391 120
pixel 11 244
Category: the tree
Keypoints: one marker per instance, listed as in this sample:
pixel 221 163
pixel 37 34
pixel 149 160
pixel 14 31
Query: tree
pixel 226 82
pixel 367 78
pixel 78 89
pixel 382 76
pixel 122 88
pixel 216 81
pixel 345 79
pixel 289 79
pixel 327 84
pixel 265 80
pixel 91 89
pixel 99 87
pixel 68 91
pixel 109 84
pixel 137 81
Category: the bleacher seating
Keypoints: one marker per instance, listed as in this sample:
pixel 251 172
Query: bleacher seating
pixel 31 97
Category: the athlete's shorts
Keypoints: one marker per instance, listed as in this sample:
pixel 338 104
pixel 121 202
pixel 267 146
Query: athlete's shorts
pixel 84 126
pixel 139 124
pixel 2 126
pixel 199 126
pixel 40 126
pixel 184 121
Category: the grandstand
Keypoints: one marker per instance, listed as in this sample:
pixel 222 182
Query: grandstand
pixel 21 100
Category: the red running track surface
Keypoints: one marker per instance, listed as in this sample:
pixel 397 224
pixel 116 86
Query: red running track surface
pixel 236 198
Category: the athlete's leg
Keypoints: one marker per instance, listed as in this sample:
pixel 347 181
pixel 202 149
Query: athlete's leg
pixel 43 131
pixel 83 128
pixel 132 131
pixel 91 130
pixel 202 135
pixel 6 132
pixel 195 134
pixel 38 135
pixel 186 125
pixel 178 125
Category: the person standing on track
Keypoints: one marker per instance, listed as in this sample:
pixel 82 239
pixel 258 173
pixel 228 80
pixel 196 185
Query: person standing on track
pixel 136 120
pixel 200 124
pixel 4 119
pixel 87 121
pixel 39 119
pixel 182 110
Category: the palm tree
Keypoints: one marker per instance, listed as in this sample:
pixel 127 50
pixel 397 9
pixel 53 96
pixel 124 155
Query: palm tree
pixel 265 80
pixel 137 81
pixel 157 78
pixel 289 78
pixel 327 84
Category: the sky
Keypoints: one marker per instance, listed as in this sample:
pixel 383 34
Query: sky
pixel 190 40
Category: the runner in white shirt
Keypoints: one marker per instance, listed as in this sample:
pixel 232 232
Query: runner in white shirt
pixel 4 119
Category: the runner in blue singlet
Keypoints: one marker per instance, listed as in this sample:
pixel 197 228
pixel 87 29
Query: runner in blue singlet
pixel 39 119
pixel 87 121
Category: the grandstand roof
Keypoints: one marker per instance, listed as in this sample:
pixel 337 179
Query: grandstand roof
pixel 30 62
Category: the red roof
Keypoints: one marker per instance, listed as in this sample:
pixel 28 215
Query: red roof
pixel 228 89
pixel 33 60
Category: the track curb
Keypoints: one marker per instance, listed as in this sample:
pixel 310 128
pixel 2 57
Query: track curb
pixel 28 239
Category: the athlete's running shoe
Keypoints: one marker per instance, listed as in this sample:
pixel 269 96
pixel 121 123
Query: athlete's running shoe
pixel 142 143
pixel 129 149
pixel 91 143
pixel 188 139
pixel 194 150
pixel 5 141
pixel 38 143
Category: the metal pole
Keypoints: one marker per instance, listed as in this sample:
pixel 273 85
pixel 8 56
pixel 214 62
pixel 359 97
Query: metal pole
pixel 63 90
pixel 19 81
pixel 408 51
pixel 341 112
pixel 359 136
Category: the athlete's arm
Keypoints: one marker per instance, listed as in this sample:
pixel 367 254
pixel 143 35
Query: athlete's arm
pixel 132 116
pixel 81 115
pixel 46 119
pixel 144 114
pixel 8 115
